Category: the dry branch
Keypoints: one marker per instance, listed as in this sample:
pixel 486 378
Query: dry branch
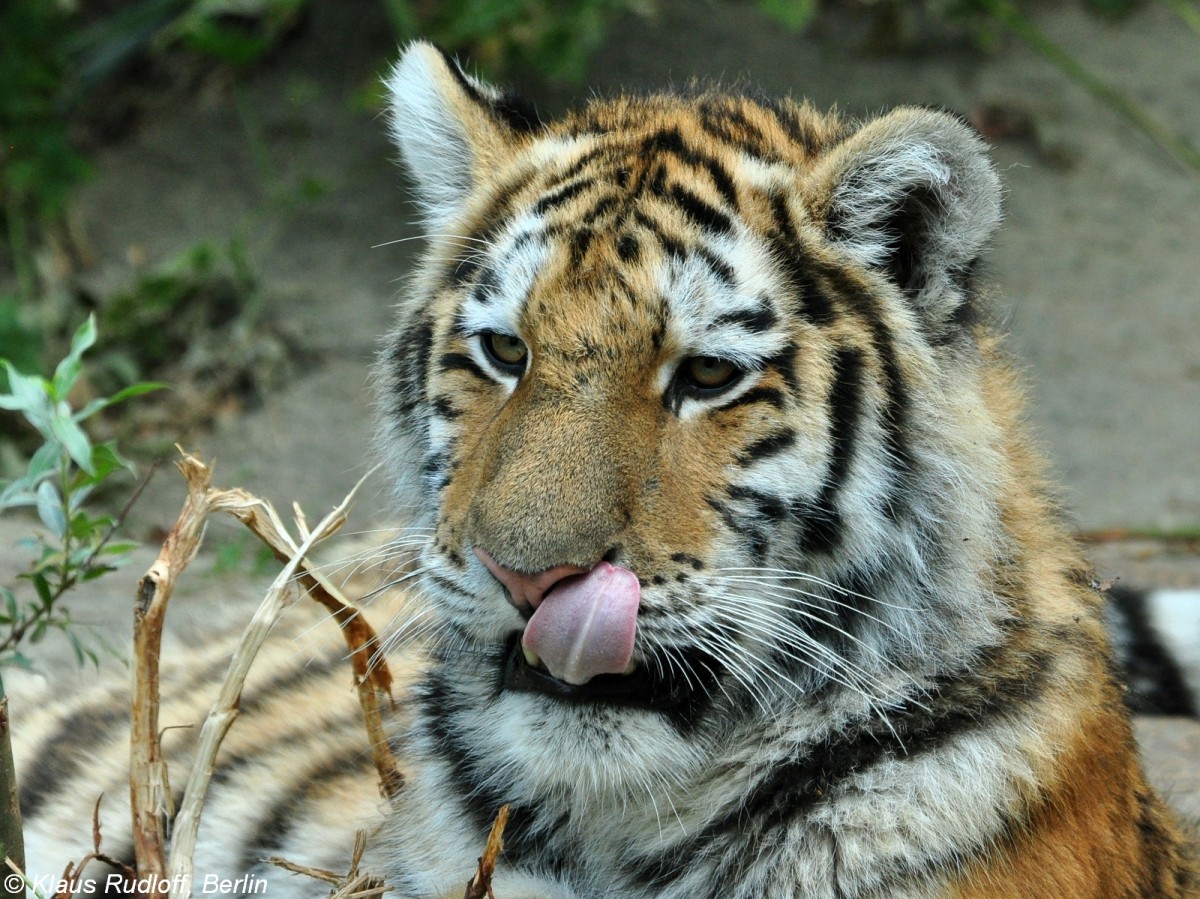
pixel 11 846
pixel 372 679
pixel 481 884
pixel 353 885
pixel 224 709
pixel 149 792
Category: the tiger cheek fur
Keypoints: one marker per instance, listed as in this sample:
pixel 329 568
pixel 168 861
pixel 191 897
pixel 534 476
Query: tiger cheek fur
pixel 734 349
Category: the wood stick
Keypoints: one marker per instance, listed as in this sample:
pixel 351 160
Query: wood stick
pixel 480 885
pixel 224 709
pixel 149 792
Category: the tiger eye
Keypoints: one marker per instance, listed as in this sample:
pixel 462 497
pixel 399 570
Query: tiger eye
pixel 710 373
pixel 508 352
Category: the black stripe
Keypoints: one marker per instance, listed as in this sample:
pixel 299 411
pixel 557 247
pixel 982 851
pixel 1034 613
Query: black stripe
pixel 718 266
pixel 463 269
pixel 581 241
pixel 768 446
pixel 472 785
pixel 1156 682
pixel 628 248
pixel 69 744
pixel 783 361
pixel 603 205
pixel 670 142
pixel 670 245
pixel 768 395
pixel 518 114
pixel 759 319
pixel 443 406
pixel 756 538
pixel 286 811
pixel 577 167
pixel 767 506
pixel 996 682
pixel 485 286
pixel 409 361
pixel 822 531
pixel 895 412
pixel 808 299
pixel 700 212
pixel 727 123
pixel 845 400
pixel 797 131
pixel 561 195
pixel 461 362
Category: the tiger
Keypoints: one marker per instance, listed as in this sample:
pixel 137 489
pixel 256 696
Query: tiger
pixel 738 570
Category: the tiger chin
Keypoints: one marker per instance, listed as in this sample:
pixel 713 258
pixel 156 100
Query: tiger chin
pixel 749 582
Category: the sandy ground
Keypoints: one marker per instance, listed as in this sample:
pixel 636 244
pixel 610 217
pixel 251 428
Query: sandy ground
pixel 1097 272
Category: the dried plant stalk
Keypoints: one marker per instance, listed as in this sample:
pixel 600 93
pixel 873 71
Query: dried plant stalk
pixel 354 885
pixel 11 845
pixel 372 678
pixel 224 709
pixel 481 884
pixel 149 792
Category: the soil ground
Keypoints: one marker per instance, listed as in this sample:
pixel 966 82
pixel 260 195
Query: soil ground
pixel 1097 272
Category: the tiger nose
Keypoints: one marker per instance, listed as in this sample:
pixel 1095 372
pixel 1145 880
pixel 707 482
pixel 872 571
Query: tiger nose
pixel 526 591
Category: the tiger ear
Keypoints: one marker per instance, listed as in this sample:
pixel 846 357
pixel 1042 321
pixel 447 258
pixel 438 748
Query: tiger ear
pixel 451 128
pixel 913 194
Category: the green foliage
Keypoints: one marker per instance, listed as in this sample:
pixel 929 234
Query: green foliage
pixel 38 165
pixel 236 31
pixel 552 37
pixel 155 320
pixel 795 14
pixel 58 481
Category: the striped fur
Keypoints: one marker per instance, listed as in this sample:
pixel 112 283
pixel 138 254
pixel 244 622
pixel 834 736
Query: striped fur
pixel 869 659
pixel 896 680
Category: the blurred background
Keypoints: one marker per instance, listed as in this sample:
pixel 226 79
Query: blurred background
pixel 210 181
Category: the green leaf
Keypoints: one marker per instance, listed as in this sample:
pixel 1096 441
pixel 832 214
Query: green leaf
pixel 27 394
pixel 96 571
pixel 74 441
pixel 120 396
pixel 16 660
pixel 50 509
pixel 68 369
pixel 17 494
pixel 46 461
pixel 118 548
pixel 76 646
pixel 42 586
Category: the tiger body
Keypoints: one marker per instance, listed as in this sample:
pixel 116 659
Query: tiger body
pixel 731 355
pixel 876 663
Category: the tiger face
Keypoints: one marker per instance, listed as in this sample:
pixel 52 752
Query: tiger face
pixel 689 392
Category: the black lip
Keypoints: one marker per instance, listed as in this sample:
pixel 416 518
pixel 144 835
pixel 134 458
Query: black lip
pixel 642 689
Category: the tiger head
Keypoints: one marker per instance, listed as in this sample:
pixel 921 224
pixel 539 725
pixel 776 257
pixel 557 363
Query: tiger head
pixel 690 391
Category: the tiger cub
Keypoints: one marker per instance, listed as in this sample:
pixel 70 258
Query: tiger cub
pixel 750 583
pixel 746 581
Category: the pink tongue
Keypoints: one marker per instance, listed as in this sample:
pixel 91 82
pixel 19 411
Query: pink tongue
pixel 585 626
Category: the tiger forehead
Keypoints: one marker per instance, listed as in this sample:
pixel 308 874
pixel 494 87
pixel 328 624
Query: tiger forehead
pixel 770 129
pixel 597 313
pixel 638 221
pixel 609 165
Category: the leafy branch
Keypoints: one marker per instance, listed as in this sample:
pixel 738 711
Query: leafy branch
pixel 62 475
